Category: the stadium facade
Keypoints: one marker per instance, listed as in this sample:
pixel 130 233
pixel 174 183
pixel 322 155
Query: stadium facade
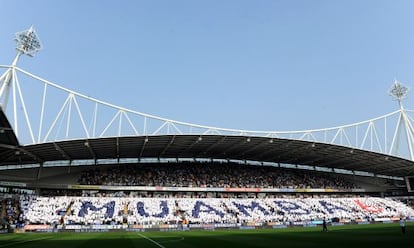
pixel 129 170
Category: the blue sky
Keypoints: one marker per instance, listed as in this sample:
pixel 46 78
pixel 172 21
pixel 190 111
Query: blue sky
pixel 260 65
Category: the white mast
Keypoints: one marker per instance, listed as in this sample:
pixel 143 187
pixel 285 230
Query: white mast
pixel 27 42
pixel 398 91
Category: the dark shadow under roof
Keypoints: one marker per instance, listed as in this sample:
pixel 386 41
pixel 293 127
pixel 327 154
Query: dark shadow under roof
pixel 261 149
pixel 7 136
pixel 8 139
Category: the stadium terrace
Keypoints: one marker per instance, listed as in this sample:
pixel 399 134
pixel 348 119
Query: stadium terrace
pixel 128 170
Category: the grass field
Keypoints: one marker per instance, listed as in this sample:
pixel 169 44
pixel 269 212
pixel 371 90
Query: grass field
pixel 380 235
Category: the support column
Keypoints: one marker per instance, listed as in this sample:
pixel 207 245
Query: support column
pixel 39 171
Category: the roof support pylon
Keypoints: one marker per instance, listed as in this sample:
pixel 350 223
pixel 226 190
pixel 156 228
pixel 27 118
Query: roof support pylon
pixel 404 130
pixel 27 42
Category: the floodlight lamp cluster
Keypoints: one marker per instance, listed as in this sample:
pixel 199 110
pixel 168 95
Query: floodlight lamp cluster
pixel 398 91
pixel 28 42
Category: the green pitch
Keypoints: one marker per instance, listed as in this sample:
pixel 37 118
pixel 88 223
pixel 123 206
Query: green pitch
pixel 382 235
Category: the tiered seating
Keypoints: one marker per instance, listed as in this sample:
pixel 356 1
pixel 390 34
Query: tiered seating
pixel 212 175
pixel 94 210
pixel 111 210
pixel 250 210
pixel 44 209
pixel 9 210
pixel 151 210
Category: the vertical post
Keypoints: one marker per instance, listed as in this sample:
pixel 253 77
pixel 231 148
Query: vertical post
pixel 27 42
pixel 398 91
pixel 39 171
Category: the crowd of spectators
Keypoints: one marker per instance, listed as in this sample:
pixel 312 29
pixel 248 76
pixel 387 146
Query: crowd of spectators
pixel 68 210
pixel 211 175
pixel 89 206
pixel 9 211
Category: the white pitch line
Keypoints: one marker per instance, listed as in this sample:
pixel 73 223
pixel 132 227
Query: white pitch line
pixel 153 241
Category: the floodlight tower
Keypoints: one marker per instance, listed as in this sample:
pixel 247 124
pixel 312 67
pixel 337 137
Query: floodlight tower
pixel 27 43
pixel 398 92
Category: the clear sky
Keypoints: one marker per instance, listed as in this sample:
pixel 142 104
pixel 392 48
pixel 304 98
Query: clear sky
pixel 260 65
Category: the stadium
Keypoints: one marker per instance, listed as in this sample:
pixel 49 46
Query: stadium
pixel 87 166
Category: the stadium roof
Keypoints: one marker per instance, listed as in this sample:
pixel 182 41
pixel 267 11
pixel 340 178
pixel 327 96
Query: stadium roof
pixel 208 146
pixel 8 139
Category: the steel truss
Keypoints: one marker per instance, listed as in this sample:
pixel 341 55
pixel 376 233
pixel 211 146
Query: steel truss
pixel 48 112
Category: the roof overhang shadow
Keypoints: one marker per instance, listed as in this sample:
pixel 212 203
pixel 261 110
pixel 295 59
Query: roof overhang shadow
pixel 262 149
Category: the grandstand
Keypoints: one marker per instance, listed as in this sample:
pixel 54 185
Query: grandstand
pixel 204 178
